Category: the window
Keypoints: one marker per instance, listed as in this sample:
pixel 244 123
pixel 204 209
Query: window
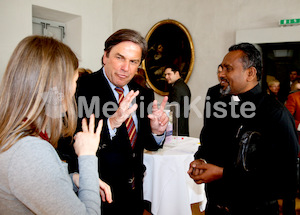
pixel 48 28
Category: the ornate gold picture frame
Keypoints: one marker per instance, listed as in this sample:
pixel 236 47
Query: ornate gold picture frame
pixel 169 42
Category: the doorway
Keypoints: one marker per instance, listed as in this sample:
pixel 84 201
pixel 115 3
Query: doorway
pixel 278 60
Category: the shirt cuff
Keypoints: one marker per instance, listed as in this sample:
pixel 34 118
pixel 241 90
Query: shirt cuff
pixel 298 129
pixel 159 138
pixel 112 132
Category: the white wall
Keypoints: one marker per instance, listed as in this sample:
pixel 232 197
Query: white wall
pixel 212 25
pixel 96 26
pixel 269 35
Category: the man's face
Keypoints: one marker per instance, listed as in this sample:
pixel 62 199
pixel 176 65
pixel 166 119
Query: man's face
pixel 275 88
pixel 234 73
pixel 122 63
pixel 293 75
pixel 222 81
pixel 171 77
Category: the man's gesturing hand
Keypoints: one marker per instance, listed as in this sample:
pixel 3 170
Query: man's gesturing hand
pixel 124 110
pixel 159 119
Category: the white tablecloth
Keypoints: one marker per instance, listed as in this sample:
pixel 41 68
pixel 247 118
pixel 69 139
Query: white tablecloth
pixel 166 183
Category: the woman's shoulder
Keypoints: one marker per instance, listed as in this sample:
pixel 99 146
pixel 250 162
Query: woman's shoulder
pixel 32 148
pixel 35 143
pixel 32 154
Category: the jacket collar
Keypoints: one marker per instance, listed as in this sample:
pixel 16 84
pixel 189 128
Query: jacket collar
pixel 251 94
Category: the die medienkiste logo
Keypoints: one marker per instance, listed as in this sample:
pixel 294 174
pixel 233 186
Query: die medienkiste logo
pixel 218 109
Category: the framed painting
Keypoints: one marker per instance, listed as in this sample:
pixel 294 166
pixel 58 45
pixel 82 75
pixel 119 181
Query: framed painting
pixel 169 42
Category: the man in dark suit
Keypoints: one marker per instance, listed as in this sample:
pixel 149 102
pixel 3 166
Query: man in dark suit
pixel 180 93
pixel 110 93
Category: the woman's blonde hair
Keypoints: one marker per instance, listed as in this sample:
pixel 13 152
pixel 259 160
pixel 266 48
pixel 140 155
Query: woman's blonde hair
pixel 273 82
pixel 36 91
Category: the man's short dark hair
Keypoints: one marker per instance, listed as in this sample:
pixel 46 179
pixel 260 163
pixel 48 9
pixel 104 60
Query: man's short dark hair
pixel 293 70
pixel 252 57
pixel 173 67
pixel 123 35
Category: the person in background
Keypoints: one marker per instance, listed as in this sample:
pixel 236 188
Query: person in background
pixel 83 71
pixel 293 76
pixel 127 127
pixel 257 132
pixel 286 86
pixel 180 93
pixel 274 88
pixel 37 100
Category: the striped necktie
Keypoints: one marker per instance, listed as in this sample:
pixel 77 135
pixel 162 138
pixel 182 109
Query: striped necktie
pixel 131 129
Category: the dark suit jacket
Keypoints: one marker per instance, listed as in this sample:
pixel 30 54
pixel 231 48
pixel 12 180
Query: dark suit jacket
pixel 178 91
pixel 220 145
pixel 118 162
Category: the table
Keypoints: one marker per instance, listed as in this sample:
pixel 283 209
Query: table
pixel 166 183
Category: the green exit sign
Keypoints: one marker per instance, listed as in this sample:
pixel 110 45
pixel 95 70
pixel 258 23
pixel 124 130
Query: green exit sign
pixel 289 22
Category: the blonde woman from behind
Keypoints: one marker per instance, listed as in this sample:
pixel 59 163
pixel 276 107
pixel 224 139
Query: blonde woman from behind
pixel 37 108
